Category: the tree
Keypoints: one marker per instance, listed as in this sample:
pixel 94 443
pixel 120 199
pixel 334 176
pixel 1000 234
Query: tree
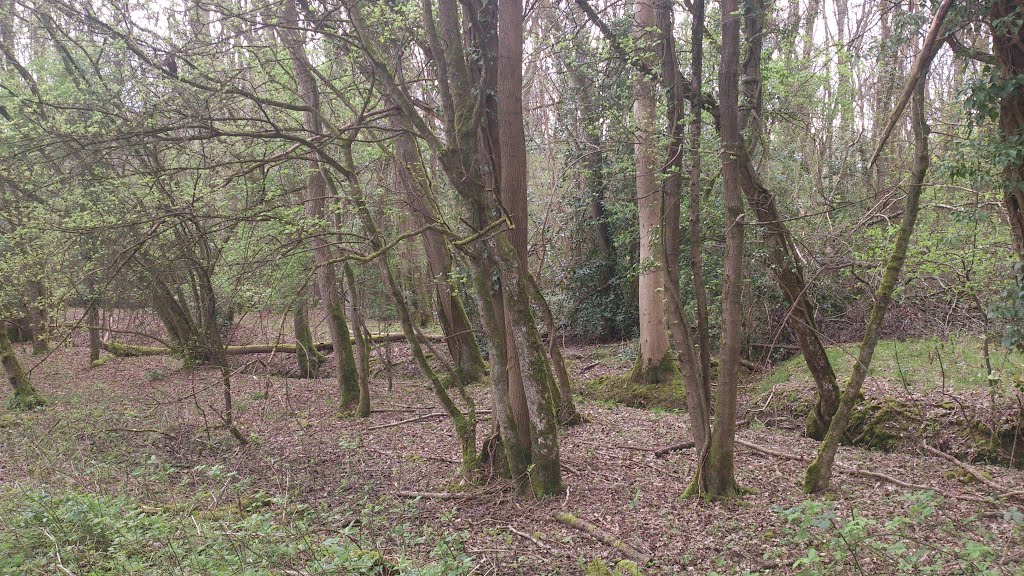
pixel 25 395
pixel 652 365
pixel 314 198
pixel 819 473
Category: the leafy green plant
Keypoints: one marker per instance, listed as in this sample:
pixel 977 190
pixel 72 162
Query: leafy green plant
pixel 80 533
pixel 856 544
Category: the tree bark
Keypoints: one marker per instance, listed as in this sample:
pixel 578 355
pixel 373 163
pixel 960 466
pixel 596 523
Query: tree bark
pixel 783 257
pixel 566 407
pixel 511 173
pixel 700 292
pixel 819 473
pixel 38 316
pixel 413 180
pixel 715 476
pixel 309 358
pixel 92 318
pixel 497 275
pixel 361 345
pixel 1008 46
pixel 25 395
pixel 651 367
pixel 314 196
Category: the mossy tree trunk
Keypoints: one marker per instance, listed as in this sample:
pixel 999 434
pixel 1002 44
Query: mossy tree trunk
pixel 309 358
pixel 566 407
pixel 1008 48
pixel 465 157
pixel 464 421
pixel 92 318
pixel 314 197
pixel 361 343
pixel 39 316
pixel 412 179
pixel 700 293
pixel 819 474
pixel 25 395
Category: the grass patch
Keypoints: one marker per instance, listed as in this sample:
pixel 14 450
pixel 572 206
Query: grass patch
pixel 920 365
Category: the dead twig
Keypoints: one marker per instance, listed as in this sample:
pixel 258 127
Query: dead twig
pixel 528 537
pixel 416 419
pixel 867 474
pixel 143 431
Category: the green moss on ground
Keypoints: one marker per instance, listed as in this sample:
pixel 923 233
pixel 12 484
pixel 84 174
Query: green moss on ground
pixel 623 389
pixel 883 425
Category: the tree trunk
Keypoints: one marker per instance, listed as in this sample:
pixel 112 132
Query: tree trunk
pixel 512 176
pixel 700 293
pixel 309 358
pixel 464 153
pixel 25 395
pixel 464 421
pixel 675 116
pixel 92 318
pixel 38 316
pixel 715 475
pixel 1008 45
pixel 819 473
pixel 652 366
pixel 362 346
pixel 314 199
pixel 413 180
pixel 783 257
pixel 566 407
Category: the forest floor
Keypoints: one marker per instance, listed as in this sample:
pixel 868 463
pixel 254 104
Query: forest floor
pixel 144 431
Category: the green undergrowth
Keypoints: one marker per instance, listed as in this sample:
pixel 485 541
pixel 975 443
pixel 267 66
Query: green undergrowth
pixel 73 532
pixel 92 491
pixel 919 540
pixel 922 365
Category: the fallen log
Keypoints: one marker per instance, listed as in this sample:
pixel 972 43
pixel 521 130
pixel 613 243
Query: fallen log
pixel 609 539
pixel 673 448
pixel 134 350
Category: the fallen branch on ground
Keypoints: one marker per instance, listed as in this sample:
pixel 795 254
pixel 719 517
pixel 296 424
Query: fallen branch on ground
pixel 134 350
pixel 974 472
pixel 143 431
pixel 417 419
pixel 528 537
pixel 866 474
pixel 673 448
pixel 579 524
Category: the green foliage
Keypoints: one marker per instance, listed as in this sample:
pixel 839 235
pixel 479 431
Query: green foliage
pixel 835 543
pixel 92 534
